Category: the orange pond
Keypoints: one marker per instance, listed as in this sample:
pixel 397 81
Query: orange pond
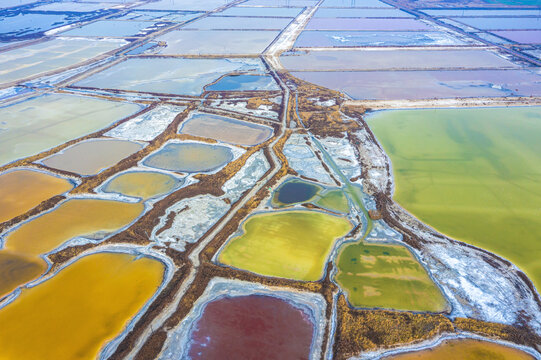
pixel 465 349
pixel 22 190
pixel 76 217
pixel 76 312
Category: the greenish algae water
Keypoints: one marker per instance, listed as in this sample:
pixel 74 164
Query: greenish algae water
pixel 473 174
pixel 142 184
pixel 386 276
pixel 334 200
pixel 287 244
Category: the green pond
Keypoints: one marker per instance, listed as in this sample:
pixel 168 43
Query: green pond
pixel 473 174
pixel 386 276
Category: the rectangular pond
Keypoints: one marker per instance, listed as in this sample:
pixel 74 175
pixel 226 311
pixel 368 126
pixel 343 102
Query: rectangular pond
pixel 172 16
pixel 396 85
pixel 376 38
pixel 169 75
pixel 280 3
pixel 72 6
pixel 32 126
pixel 205 5
pixel 521 37
pixel 393 60
pixel 241 23
pixel 482 12
pixel 366 24
pixel 216 42
pixel 261 11
pixel 48 56
pixel 502 23
pixel 360 13
pixel 355 4
pixel 112 28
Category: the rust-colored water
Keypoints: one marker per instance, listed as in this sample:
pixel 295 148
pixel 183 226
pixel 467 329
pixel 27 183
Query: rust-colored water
pixel 465 349
pixel 21 190
pixel 73 218
pixel 16 269
pixel 76 312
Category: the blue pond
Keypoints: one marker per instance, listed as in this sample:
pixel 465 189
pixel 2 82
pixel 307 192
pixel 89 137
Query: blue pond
pixel 244 83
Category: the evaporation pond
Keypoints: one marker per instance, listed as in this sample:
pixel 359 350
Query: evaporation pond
pixel 366 24
pixel 522 37
pixel 360 13
pixel 334 200
pixel 244 83
pixel 77 311
pixel 465 349
pixel 251 327
pixel 76 217
pixel 91 156
pixel 143 184
pixel 295 191
pixel 386 276
pixel 241 23
pixel 473 174
pixel 376 38
pixel 22 190
pixel 287 244
pixel 52 55
pixel 217 42
pixel 190 157
pixel 17 269
pixel 501 23
pixel 169 75
pixel 226 129
pixel 32 126
pixel 261 11
pixel 111 28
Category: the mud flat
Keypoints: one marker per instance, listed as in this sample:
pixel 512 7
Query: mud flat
pixel 74 313
pixel 89 157
pixel 250 319
pixel 287 244
pixel 23 189
pixel 43 122
pixel 225 129
pixel 468 173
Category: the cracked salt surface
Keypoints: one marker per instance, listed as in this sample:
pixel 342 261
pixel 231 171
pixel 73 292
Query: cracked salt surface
pixel 241 107
pixel 256 166
pixel 343 155
pixel 302 159
pixel 147 126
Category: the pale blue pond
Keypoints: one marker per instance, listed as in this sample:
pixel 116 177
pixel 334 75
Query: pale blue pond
pixel 113 29
pixel 244 83
pixel 149 15
pixel 355 3
pixel 19 26
pixel 360 13
pixel 243 23
pixel 261 11
pixel 502 23
pixel 484 12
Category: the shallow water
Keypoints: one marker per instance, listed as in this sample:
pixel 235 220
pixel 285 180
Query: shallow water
pixel 143 184
pixel 169 75
pixel 244 23
pixel 393 60
pixel 111 28
pixel 355 3
pixel 16 269
pixel 483 12
pixel 376 38
pixel 251 327
pixel 502 23
pixel 244 83
pixel 176 16
pixel 261 11
pixel 184 5
pixel 287 244
pixel 334 200
pixel 32 126
pixel 521 37
pixel 89 157
pixel 22 190
pixel 51 55
pixel 386 276
pixel 190 157
pixel 295 191
pixel 473 174
pixel 465 349
pixel 73 314
pixel 226 129
pixel 216 42
pixel 76 217
pixel 391 85
pixel 360 13
pixel 366 24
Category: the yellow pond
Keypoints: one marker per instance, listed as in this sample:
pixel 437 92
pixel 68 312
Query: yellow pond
pixel 466 349
pixel 73 314
pixel 288 244
pixel 22 190
pixel 142 184
pixel 73 218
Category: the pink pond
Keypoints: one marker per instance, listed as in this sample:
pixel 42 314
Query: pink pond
pixel 521 36
pixel 251 327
